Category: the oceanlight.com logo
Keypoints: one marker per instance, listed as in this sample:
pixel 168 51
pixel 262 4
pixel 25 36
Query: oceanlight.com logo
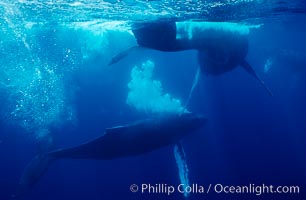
pixel 257 190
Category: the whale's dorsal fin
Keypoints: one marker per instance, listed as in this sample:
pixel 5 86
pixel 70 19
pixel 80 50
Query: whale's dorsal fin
pixel 251 71
pixel 124 54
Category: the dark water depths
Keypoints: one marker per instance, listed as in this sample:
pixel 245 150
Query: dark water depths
pixel 55 82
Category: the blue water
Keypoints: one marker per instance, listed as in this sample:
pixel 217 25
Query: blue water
pixel 54 76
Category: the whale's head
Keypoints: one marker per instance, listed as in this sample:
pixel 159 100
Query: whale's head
pixel 190 122
pixel 175 127
pixel 170 129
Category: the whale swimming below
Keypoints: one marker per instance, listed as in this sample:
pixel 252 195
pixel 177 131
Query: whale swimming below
pixel 220 46
pixel 121 141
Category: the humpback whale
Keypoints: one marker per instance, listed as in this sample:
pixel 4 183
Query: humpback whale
pixel 121 141
pixel 221 47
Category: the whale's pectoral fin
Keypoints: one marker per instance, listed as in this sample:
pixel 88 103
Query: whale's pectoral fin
pixel 194 84
pixel 32 173
pixel 124 54
pixel 181 162
pixel 251 71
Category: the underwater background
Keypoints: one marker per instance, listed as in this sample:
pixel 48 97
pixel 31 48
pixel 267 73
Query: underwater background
pixel 57 90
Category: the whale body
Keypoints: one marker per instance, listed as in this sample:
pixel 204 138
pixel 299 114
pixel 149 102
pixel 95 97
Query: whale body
pixel 221 46
pixel 121 141
pixel 134 139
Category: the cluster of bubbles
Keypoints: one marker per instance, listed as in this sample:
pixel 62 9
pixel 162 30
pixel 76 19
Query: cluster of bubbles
pixel 35 95
pixel 37 61
pixel 38 98
pixel 147 95
pixel 102 39
pixel 32 85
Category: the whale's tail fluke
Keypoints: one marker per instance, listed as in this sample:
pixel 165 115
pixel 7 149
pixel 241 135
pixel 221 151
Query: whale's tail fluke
pixel 251 71
pixel 38 165
pixel 32 174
